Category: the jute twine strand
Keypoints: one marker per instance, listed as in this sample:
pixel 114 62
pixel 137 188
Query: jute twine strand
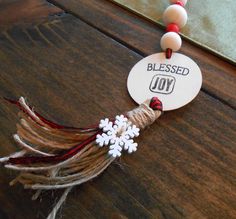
pixel 143 115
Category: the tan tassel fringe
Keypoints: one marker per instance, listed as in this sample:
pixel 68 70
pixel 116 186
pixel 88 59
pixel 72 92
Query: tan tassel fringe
pixel 35 137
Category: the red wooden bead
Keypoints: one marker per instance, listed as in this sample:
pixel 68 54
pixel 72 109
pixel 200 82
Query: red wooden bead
pixel 172 28
pixel 179 3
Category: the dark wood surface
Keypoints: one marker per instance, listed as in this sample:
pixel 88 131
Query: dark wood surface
pixel 18 12
pixel 73 68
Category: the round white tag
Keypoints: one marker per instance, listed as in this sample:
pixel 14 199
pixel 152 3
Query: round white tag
pixel 175 81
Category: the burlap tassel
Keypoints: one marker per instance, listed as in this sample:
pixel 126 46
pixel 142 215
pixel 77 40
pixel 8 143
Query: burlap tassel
pixel 54 156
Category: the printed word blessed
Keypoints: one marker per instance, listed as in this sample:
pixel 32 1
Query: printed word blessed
pixel 168 68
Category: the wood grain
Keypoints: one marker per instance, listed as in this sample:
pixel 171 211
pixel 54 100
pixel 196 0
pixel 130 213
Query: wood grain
pixel 72 73
pixel 18 12
pixel 143 37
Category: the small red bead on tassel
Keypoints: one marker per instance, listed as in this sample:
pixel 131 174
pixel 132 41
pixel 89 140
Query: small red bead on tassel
pixel 156 104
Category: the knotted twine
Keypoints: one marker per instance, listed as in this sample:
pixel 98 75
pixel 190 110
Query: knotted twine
pixel 56 157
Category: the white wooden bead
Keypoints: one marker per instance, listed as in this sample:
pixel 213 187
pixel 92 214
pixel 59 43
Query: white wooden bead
pixel 175 14
pixel 183 1
pixel 171 40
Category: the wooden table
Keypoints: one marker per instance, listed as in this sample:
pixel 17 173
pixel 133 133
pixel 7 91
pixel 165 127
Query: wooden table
pixel 71 59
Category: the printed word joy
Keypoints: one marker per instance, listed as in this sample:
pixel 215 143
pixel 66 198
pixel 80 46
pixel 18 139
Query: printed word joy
pixel 163 84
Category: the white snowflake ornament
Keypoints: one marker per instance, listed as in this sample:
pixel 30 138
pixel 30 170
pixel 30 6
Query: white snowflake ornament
pixel 118 135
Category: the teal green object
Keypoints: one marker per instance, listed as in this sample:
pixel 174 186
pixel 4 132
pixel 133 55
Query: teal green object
pixel 211 24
